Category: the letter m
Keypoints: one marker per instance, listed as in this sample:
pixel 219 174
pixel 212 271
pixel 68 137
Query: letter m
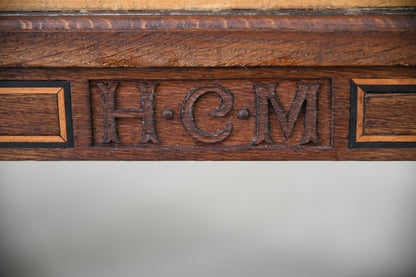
pixel 306 95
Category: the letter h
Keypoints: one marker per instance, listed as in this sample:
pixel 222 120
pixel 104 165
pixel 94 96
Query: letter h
pixel 145 113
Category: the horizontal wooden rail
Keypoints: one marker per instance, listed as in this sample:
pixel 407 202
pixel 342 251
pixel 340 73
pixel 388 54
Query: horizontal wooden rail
pixel 132 86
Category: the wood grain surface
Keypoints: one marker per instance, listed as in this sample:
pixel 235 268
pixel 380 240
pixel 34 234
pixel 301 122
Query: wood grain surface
pixel 35 114
pixel 393 114
pixel 32 114
pixel 235 86
pixel 28 114
pixel 385 112
pixel 176 144
pixel 196 125
pixel 207 41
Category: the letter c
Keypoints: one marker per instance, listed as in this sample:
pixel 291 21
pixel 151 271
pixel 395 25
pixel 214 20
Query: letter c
pixel 188 113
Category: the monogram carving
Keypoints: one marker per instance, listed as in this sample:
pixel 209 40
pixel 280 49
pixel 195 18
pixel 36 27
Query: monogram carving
pixel 111 113
pixel 266 94
pixel 224 113
pixel 188 116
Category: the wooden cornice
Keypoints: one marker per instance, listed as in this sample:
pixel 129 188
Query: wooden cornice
pixel 247 85
pixel 143 40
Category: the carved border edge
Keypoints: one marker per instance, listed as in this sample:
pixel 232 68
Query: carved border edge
pixel 331 21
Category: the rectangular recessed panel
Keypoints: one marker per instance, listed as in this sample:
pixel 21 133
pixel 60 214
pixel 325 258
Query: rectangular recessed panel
pixel 229 113
pixel 28 114
pixel 390 114
pixel 383 113
pixel 35 114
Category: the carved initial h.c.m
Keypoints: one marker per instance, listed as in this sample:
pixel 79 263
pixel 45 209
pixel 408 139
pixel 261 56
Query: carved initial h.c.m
pixel 267 99
pixel 145 113
pixel 266 94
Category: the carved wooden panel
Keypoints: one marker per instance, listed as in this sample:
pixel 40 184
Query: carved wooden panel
pixel 278 85
pixel 219 114
pixel 383 113
pixel 225 113
pixel 35 114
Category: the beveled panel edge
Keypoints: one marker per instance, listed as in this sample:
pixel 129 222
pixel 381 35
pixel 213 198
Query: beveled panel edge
pixel 62 90
pixel 357 139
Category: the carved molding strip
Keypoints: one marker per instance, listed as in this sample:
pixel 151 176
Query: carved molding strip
pixel 163 40
pixel 231 23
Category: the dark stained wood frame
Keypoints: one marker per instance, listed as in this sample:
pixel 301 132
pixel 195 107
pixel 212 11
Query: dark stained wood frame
pixel 339 45
pixel 61 90
pixel 176 40
pixel 358 90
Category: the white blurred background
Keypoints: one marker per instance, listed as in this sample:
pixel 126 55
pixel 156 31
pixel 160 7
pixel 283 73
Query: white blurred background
pixel 206 219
